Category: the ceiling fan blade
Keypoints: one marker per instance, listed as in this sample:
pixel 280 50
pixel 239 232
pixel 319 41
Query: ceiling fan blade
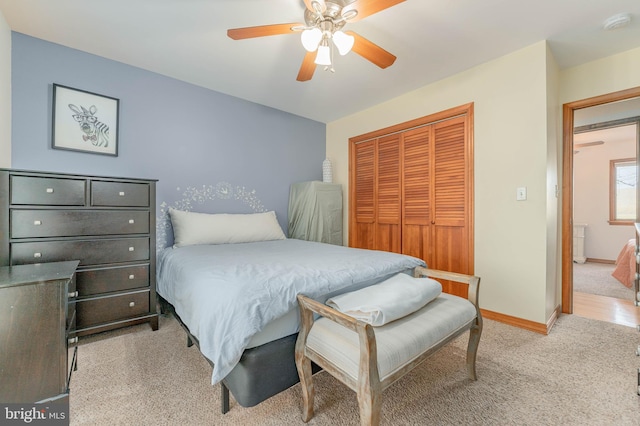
pixel 368 7
pixel 371 52
pixel 582 145
pixel 319 5
pixel 262 31
pixel 308 67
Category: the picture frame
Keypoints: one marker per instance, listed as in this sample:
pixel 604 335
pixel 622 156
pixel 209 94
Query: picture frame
pixel 84 121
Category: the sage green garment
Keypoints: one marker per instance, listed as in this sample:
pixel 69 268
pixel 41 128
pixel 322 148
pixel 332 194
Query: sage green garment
pixel 315 212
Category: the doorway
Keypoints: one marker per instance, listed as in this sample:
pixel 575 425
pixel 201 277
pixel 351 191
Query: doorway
pixel 601 111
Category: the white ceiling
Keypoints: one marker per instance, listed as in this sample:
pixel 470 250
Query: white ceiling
pixel 432 39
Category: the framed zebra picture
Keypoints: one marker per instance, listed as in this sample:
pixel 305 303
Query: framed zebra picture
pixel 84 121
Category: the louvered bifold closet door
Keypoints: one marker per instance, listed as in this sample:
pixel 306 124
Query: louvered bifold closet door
pixel 388 193
pixel 416 192
pixel 361 231
pixel 450 200
pixel 411 191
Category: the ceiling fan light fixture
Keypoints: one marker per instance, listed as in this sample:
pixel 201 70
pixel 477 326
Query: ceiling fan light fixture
pixel 318 6
pixel 343 42
pixel 324 55
pixel 311 39
pixel 349 14
pixel 617 21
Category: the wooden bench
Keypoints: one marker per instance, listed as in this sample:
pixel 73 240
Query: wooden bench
pixel 369 359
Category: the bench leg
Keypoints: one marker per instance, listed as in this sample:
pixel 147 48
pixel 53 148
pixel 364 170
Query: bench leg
pixel 303 364
pixel 370 404
pixel 472 350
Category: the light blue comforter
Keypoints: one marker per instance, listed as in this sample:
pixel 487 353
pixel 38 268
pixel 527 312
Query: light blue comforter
pixel 227 293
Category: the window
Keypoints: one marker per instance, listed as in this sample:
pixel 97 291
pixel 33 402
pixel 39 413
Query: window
pixel 622 192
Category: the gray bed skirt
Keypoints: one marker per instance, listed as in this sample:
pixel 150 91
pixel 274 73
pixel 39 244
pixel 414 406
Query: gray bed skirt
pixel 262 372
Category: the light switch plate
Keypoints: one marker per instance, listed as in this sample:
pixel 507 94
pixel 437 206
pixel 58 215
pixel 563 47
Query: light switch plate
pixel 521 193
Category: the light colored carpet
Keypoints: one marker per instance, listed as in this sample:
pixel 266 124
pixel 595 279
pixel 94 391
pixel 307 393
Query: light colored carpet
pixel 583 373
pixel 595 278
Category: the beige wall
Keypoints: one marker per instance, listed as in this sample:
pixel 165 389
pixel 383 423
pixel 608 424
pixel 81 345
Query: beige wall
pixel 5 93
pixel 518 142
pixel 554 206
pixel 607 75
pixel 511 150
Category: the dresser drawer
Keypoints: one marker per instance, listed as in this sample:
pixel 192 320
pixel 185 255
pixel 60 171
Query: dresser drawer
pixel 65 223
pixel 106 280
pixel 119 194
pixel 112 308
pixel 88 252
pixel 47 191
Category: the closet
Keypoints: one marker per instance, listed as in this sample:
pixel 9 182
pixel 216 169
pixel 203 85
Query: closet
pixel 411 191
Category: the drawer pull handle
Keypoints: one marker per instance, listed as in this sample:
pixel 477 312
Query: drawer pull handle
pixel 73 294
pixel 37 255
pixel 132 221
pixel 131 248
pixel 131 277
pixel 132 304
pixel 37 222
pixel 121 193
pixel 49 190
pixel 73 340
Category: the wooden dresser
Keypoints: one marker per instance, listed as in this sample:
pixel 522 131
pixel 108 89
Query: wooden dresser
pixel 37 313
pixel 107 223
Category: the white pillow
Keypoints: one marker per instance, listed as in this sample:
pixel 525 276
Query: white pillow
pixel 201 228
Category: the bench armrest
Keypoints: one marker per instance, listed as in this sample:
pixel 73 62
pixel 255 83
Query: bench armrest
pixel 368 354
pixel 309 306
pixel 472 280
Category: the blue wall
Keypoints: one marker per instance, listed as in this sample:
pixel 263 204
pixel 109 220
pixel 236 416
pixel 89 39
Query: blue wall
pixel 193 140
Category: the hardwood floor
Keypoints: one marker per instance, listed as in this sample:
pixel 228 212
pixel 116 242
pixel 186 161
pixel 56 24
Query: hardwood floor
pixel 618 311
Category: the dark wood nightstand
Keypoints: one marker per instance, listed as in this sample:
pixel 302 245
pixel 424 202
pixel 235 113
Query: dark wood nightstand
pixel 37 317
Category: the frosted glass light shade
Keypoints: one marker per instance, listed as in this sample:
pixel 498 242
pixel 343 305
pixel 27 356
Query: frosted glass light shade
pixel 311 38
pixel 343 42
pixel 324 56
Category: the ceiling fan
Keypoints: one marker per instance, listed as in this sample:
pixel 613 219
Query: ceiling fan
pixel 585 144
pixel 322 30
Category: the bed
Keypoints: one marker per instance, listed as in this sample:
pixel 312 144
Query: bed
pixel 237 300
pixel 625 270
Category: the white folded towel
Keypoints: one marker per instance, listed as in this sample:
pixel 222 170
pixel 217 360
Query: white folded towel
pixel 387 301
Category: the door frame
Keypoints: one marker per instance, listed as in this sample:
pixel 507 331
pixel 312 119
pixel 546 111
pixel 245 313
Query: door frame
pixel 567 184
